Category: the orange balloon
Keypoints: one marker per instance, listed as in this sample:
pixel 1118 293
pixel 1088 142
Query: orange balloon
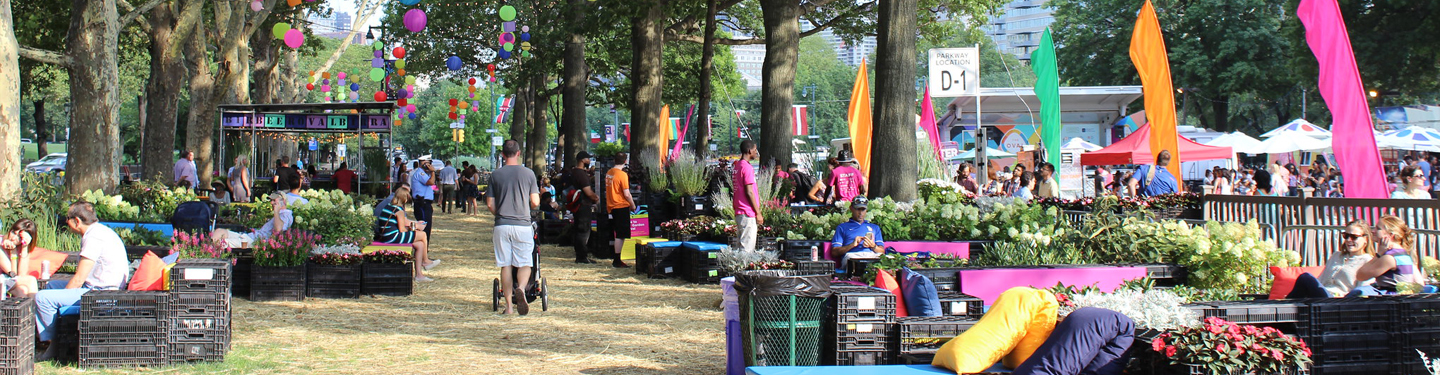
pixel 325 75
pixel 400 72
pixel 471 88
pixel 464 105
pixel 312 73
pixel 293 2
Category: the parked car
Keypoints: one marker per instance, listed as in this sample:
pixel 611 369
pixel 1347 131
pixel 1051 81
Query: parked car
pixel 50 163
pixel 26 140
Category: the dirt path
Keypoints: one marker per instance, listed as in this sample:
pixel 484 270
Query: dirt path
pixel 601 321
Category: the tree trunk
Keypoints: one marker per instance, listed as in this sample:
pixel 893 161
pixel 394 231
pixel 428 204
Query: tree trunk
pixel 10 105
pixel 894 166
pixel 647 52
pixel 535 142
pixel 162 94
pixel 201 119
pixel 1222 113
pixel 93 44
pixel 519 114
pixel 707 67
pixel 267 70
pixel 777 81
pixel 42 130
pixel 572 118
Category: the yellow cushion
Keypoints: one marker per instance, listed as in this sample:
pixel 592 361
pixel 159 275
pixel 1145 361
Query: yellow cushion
pixel 996 334
pixel 1042 323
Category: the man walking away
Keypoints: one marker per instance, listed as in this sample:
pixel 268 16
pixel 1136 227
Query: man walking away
pixel 619 204
pixel 582 203
pixel 448 177
pixel 185 171
pixel 747 199
pixel 1156 179
pixel 513 193
pixel 422 182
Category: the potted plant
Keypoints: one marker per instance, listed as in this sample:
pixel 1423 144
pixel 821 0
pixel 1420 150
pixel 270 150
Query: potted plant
pixel 198 247
pixel 688 180
pixel 1218 346
pixel 387 273
pixel 334 275
pixel 685 230
pixel 279 271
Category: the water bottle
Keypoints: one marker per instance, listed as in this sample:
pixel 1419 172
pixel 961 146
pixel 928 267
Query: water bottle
pixel 814 253
pixel 45 269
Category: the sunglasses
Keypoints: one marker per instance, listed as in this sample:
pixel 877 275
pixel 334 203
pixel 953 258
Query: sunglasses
pixel 1418 175
pixel 1351 236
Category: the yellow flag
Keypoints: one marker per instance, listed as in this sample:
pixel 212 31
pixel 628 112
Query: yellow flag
pixel 1147 51
pixel 859 118
pixel 664 132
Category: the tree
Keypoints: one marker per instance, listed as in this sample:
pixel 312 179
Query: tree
pixel 576 80
pixel 646 80
pixel 162 94
pixel 9 104
pixel 894 168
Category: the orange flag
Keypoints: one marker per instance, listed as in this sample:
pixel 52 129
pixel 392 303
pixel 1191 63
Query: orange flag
pixel 664 132
pixel 1147 51
pixel 859 117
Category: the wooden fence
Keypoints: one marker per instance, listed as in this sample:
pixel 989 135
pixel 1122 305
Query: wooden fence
pixel 1315 243
pixel 1282 212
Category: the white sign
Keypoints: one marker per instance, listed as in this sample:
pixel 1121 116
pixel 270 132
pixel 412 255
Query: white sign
pixel 954 72
pixel 498 141
pixel 457 125
pixel 340 150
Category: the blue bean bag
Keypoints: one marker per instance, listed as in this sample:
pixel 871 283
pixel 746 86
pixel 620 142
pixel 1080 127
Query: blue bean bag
pixel 1089 341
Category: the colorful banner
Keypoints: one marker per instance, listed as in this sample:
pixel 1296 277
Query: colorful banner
pixel 927 122
pixel 1047 89
pixel 1147 51
pixel 675 152
pixel 800 119
pixel 503 104
pixel 859 118
pixel 1344 93
pixel 666 123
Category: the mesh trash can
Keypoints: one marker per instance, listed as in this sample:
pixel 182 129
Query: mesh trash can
pixel 780 315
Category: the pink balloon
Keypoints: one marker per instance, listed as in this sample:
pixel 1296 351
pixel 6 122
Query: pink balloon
pixel 325 88
pixel 257 6
pixel 342 76
pixel 294 38
pixel 415 20
pixel 411 108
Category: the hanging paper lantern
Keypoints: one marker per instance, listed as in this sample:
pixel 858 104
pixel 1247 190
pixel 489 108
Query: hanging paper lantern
pixel 377 74
pixel 410 80
pixel 507 38
pixel 325 88
pixel 471 89
pixel 257 5
pixel 525 53
pixel 403 93
pixel 341 96
pixel 525 37
pixel 412 116
pixel 525 46
pixel 464 105
pixel 325 75
pixel 415 20
pixel 342 77
pixel 380 96
pixel 400 64
pixel 453 102
pixel 312 78
pixel 507 13
pixel 399 72
pixel 453 116
pixel 504 54
pixel 402 102
pixel 471 81
pixel 280 29
pixel 472 95
pixel 398 52
pixel 310 86
pixel 409 2
pixel 525 29
pixel 293 3
pixel 378 46
pixel 377 63
pixel 508 46
pixel 354 87
pixel 454 63
pixel 475 104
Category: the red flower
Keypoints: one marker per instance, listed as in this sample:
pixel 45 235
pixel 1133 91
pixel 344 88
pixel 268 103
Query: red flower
pixel 1276 355
pixel 1158 344
pixel 1170 351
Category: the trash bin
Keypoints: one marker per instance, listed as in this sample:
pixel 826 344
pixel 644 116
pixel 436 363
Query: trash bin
pixel 780 314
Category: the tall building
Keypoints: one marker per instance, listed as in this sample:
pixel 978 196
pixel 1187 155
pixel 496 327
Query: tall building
pixel 336 26
pixel 1017 31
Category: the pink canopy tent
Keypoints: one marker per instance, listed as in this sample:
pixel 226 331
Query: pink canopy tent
pixel 1135 149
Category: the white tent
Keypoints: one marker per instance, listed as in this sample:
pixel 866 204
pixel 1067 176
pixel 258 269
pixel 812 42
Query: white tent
pixel 1290 143
pixel 1411 138
pixel 990 153
pixel 1081 144
pixel 1298 126
pixel 1236 141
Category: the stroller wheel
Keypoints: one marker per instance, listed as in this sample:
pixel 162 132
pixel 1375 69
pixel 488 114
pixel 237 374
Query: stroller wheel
pixel 495 297
pixel 544 295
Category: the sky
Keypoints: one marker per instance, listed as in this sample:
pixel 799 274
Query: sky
pixel 348 6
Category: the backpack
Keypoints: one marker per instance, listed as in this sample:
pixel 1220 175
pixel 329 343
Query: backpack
pixel 194 217
pixel 803 184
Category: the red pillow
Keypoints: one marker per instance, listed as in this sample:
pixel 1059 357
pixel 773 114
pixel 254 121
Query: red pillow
pixel 883 280
pixel 1285 279
pixel 38 258
pixel 150 275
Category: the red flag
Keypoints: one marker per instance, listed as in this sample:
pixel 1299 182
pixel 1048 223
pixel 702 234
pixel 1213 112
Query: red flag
pixel 800 119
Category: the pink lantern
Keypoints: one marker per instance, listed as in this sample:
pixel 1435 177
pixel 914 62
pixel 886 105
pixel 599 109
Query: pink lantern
pixel 415 20
pixel 294 38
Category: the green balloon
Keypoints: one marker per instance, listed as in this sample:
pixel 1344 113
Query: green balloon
pixel 400 64
pixel 527 53
pixel 507 13
pixel 508 46
pixel 410 80
pixel 342 95
pixel 280 30
pixel 378 46
pixel 312 79
pixel 377 74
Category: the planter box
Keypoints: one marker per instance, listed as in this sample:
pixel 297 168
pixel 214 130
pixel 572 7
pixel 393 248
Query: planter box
pixel 333 281
pixel 240 276
pixel 696 206
pixel 387 279
pixel 989 283
pixel 277 283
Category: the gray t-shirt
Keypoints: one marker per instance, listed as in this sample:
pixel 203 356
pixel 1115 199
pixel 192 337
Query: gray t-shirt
pixel 511 187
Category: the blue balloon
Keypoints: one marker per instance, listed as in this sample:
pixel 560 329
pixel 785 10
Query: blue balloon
pixel 454 63
pixel 354 87
pixel 524 37
pixel 409 2
pixel 412 115
pixel 504 54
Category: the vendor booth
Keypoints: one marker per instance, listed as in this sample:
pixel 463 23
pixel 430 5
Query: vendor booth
pixel 253 122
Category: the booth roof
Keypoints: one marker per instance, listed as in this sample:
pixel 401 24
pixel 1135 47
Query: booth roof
pixel 1135 149
pixel 301 107
pixel 1072 99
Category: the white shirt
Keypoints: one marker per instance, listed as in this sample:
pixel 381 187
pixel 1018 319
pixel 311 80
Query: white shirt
pixel 104 247
pixel 287 218
pixel 186 168
pixel 447 175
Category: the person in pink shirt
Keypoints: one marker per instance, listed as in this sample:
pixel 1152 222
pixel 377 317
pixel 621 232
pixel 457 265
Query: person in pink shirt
pixel 747 197
pixel 846 182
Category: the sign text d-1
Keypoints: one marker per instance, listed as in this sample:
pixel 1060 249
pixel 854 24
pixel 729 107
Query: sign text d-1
pixel 954 72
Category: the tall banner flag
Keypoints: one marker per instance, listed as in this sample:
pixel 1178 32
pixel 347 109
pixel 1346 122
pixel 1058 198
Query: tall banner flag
pixel 1147 51
pixel 1047 89
pixel 800 119
pixel 689 114
pixel 927 122
pixel 859 119
pixel 1344 93
pixel 503 106
pixel 665 125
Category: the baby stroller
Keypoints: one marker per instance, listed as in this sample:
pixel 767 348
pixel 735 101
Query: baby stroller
pixel 535 288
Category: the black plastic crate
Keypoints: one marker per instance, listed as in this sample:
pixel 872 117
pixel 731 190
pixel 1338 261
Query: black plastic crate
pixel 201 276
pixel 277 283
pixel 1339 315
pixel 152 338
pixel 387 279
pixel 1420 312
pixel 1426 340
pixel 199 330
pixel 709 275
pixel 698 259
pixel 862 336
pixel 1362 368
pixel 817 267
pixel 1334 357
pixel 923 334
pixel 915 358
pixel 961 304
pixel 862 358
pixel 856 267
pixel 103 326
pixel 856 304
pixel 103 304
pixel 240 276
pixel 199 305
pixel 944 278
pixel 122 355
pixel 799 250
pixel 1353 342
pixel 17 336
pixel 325 281
pixel 1254 312
pixel 183 352
pixel 657 262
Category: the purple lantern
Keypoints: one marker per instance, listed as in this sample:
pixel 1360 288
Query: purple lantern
pixel 415 20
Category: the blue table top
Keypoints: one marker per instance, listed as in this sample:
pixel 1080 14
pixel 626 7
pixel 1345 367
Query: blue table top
pixel 859 370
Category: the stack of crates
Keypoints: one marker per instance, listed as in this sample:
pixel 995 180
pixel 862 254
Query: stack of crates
pixel 17 336
pixel 1278 314
pixel 552 231
pixel 123 328
pixel 945 278
pixel 956 304
pixel 199 311
pixel 859 325
pixel 818 267
pixel 1419 329
pixel 1352 335
pixel 799 250
pixel 919 337
pixel 700 262
pixel 658 259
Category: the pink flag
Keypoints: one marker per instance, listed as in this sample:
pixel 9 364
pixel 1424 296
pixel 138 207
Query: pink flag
pixel 927 122
pixel 1340 85
pixel 674 153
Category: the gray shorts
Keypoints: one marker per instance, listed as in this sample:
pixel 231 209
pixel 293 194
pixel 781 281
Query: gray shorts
pixel 514 246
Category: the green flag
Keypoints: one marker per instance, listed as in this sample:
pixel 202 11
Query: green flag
pixel 1047 89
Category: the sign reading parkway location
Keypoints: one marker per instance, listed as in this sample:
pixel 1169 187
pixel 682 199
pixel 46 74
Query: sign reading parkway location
pixel 954 72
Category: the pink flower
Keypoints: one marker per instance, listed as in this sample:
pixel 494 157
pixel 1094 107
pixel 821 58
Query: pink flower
pixel 1276 354
pixel 1170 351
pixel 1158 344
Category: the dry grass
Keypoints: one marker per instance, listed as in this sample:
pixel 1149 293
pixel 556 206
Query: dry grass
pixel 601 321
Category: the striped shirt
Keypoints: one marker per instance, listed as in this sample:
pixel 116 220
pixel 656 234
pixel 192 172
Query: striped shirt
pixel 1405 270
pixel 389 226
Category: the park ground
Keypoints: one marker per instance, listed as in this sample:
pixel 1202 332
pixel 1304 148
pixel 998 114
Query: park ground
pixel 601 320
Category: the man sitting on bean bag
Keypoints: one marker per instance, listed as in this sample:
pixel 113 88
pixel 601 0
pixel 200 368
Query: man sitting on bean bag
pixel 1089 341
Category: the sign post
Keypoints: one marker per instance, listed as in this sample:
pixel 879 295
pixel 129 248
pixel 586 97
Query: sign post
pixel 955 72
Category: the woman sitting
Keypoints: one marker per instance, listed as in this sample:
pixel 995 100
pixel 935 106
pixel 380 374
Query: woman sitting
pixel 222 194
pixel 23 263
pixel 1398 264
pixel 1340 268
pixel 395 228
pixel 281 221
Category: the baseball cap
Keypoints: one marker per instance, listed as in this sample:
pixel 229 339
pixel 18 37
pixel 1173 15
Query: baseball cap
pixel 859 202
pixel 582 155
pixel 846 156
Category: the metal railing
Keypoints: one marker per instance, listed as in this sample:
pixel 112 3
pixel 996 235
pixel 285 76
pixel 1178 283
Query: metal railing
pixel 1315 243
